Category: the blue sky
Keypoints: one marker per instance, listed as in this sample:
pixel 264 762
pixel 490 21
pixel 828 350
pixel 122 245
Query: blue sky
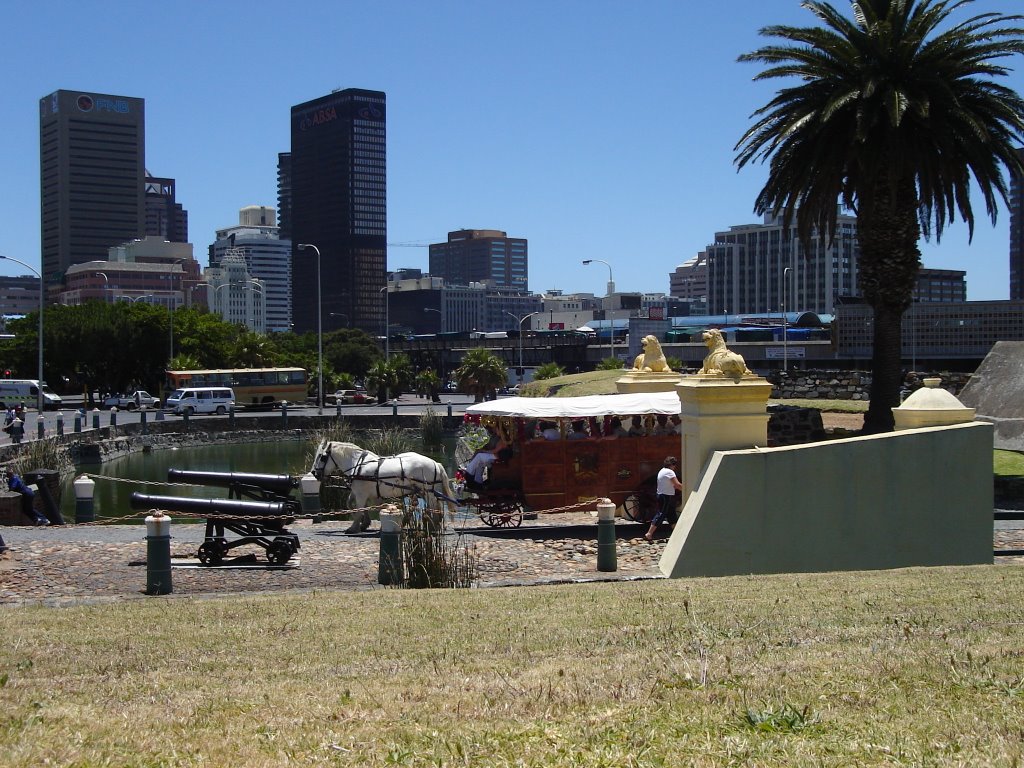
pixel 596 129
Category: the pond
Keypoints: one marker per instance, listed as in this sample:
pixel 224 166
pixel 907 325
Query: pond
pixel 116 480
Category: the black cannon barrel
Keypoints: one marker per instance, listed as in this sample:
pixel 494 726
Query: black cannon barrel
pixel 205 507
pixel 273 483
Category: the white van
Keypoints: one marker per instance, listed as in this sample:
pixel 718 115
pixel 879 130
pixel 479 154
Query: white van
pixel 192 400
pixel 26 392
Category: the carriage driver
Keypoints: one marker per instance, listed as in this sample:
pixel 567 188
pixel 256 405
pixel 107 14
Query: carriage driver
pixel 477 466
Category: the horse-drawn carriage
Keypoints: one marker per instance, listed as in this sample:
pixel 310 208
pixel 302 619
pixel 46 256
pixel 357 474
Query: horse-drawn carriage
pixel 532 472
pixel 546 474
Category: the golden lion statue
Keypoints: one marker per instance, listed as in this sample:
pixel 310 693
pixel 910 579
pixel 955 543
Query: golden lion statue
pixel 719 359
pixel 652 359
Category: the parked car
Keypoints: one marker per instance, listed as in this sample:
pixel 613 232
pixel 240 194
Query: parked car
pixel 132 400
pixel 348 397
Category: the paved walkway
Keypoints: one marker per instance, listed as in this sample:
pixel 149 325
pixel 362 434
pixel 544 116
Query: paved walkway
pixel 70 564
pixel 58 565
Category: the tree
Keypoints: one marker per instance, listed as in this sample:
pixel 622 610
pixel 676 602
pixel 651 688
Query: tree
pixel 548 371
pixel 893 114
pixel 481 373
pixel 428 384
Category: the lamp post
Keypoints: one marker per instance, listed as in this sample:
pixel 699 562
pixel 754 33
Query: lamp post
pixel 39 388
pixel 340 314
pixel 319 332
pixel 106 286
pixel 610 290
pixel 785 324
pixel 520 320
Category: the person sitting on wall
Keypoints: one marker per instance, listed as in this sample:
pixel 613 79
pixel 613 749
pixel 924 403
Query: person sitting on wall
pixel 16 484
pixel 579 431
pixel 636 427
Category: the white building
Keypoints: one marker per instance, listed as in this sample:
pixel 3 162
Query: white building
pixel 232 293
pixel 267 258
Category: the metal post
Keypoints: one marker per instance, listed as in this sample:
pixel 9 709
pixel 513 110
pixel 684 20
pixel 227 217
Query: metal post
pixel 785 324
pixel 389 563
pixel 96 418
pixel 60 423
pixel 284 413
pixel 319 331
pixel 113 416
pixel 606 554
pixel 158 554
pixel 142 420
pixel 85 488
pixel 40 426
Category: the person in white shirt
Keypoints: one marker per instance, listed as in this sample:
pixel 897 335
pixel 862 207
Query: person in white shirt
pixel 668 484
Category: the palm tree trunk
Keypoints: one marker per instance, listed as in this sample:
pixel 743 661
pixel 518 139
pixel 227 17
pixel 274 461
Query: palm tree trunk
pixel 886 373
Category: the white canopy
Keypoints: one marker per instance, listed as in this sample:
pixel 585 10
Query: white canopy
pixel 580 407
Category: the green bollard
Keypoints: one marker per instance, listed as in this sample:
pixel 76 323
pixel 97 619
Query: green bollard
pixel 60 423
pixel 85 488
pixel 78 423
pixel 113 416
pixel 142 420
pixel 606 557
pixel 40 428
pixel 389 564
pixel 231 415
pixel 158 554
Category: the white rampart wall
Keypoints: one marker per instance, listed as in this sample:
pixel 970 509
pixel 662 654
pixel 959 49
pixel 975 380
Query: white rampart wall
pixel 920 497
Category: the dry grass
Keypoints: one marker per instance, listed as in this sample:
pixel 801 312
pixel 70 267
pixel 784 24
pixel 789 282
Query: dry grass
pixel 911 667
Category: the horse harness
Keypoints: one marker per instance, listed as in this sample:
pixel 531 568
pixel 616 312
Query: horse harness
pixel 368 469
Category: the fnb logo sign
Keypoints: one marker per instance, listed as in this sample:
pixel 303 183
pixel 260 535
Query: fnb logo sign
pixel 87 103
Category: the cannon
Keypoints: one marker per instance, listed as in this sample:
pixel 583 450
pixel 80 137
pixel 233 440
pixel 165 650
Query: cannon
pixel 235 515
pixel 261 487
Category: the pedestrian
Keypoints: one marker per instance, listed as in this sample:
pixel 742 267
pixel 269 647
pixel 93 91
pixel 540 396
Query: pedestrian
pixel 17 430
pixel 668 484
pixel 28 495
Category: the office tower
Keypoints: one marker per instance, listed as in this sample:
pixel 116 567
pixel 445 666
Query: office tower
pixel 284 195
pixel 339 204
pixel 1017 235
pixel 165 217
pixel 761 268
pixel 267 258
pixel 486 256
pixel 92 171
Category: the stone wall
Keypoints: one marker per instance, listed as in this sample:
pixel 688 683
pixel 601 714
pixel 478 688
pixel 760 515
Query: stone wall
pixel 826 384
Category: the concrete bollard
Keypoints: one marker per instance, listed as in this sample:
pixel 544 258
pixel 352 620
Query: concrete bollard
pixel 78 423
pixel 142 420
pixel 95 418
pixel 310 487
pixel 606 556
pixel 449 410
pixel 284 413
pixel 85 488
pixel 394 409
pixel 60 423
pixel 160 414
pixel 158 554
pixel 40 426
pixel 113 416
pixel 389 564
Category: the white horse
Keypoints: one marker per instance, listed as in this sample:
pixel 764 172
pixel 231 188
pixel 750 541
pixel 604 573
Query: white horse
pixel 374 478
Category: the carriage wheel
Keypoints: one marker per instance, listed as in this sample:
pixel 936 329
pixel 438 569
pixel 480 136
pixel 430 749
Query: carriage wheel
pixel 504 515
pixel 212 552
pixel 636 507
pixel 280 551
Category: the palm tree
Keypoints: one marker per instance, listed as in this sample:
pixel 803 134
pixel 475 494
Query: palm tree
pixel 481 373
pixel 895 111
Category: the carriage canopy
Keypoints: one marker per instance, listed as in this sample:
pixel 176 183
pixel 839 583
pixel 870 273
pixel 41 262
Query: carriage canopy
pixel 585 407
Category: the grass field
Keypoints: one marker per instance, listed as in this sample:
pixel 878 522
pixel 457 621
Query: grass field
pixel 911 667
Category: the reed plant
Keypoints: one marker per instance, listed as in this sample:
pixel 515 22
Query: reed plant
pixel 390 441
pixel 432 557
pixel 47 453
pixel 431 429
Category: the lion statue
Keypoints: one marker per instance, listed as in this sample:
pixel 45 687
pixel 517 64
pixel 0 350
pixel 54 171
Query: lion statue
pixel 652 359
pixel 719 359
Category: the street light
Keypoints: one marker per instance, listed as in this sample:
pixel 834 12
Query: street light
pixel 319 332
pixel 106 286
pixel 785 339
pixel 520 320
pixel 387 342
pixel 610 290
pixel 39 387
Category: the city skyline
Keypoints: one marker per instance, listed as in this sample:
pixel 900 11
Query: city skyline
pixel 592 133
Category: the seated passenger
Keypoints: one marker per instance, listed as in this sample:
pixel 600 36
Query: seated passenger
pixel 617 430
pixel 478 465
pixel 549 431
pixel 661 425
pixel 579 431
pixel 636 427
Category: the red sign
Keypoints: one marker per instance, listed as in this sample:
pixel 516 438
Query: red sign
pixel 656 313
pixel 556 326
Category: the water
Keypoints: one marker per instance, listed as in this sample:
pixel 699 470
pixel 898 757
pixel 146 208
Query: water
pixel 112 496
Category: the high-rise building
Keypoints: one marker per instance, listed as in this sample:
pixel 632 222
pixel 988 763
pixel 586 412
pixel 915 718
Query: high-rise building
pixel 338 184
pixel 1017 235
pixel 486 256
pixel 267 258
pixel 165 217
pixel 232 292
pixel 92 171
pixel 763 268
pixel 284 195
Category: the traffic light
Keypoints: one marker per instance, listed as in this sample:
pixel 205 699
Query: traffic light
pixel 7 373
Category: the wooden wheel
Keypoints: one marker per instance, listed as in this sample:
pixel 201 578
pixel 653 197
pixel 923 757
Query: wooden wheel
pixel 503 514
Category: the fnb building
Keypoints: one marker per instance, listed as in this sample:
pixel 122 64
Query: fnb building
pixel 92 150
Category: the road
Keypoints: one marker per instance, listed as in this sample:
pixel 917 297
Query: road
pixel 52 420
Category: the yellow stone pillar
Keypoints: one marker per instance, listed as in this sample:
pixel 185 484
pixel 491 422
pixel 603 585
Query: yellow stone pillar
pixel 719 414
